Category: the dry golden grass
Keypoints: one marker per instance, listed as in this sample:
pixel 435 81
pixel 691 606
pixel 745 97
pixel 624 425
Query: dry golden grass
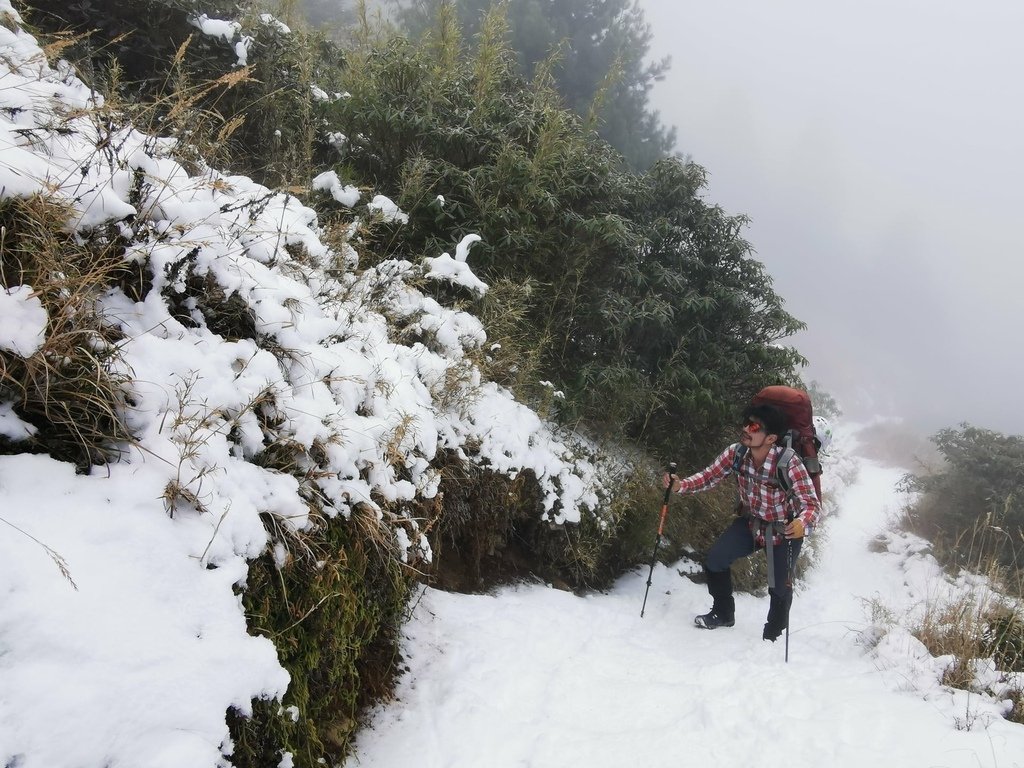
pixel 71 389
pixel 975 628
pixel 982 622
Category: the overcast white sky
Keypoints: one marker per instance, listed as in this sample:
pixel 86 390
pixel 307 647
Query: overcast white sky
pixel 877 148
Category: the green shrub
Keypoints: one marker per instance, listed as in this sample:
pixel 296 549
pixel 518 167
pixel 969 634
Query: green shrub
pixel 645 307
pixel 1004 640
pixel 972 506
pixel 333 611
pixel 644 304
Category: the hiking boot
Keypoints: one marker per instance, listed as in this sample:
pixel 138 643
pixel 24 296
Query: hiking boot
pixel 772 632
pixel 778 616
pixel 713 620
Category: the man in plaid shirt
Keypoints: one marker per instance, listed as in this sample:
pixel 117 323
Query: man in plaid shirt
pixel 769 517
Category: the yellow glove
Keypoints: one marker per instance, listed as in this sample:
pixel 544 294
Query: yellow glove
pixel 795 529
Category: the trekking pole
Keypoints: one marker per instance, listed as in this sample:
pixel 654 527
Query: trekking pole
pixel 789 582
pixel 657 541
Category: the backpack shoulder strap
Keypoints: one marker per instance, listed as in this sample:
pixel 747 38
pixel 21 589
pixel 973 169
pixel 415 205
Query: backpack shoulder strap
pixel 737 464
pixel 737 459
pixel 782 469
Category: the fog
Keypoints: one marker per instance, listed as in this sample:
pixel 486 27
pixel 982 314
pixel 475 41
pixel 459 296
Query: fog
pixel 877 149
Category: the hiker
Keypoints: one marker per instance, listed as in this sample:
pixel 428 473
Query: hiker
pixel 769 517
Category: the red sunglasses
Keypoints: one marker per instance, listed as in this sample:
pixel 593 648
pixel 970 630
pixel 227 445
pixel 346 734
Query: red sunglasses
pixel 753 427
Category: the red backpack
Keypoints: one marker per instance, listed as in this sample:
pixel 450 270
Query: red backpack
pixel 796 405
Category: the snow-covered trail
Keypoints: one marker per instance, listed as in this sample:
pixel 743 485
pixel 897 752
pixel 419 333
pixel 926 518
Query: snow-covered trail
pixel 536 677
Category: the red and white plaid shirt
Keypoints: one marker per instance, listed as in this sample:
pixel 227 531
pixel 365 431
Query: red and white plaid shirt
pixel 759 488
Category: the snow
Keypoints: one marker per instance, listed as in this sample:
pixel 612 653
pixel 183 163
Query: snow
pixel 12 426
pixel 135 664
pixel 532 676
pixel 346 194
pixel 388 209
pixel 275 24
pixel 228 31
pixel 456 270
pixel 24 329
pixel 122 636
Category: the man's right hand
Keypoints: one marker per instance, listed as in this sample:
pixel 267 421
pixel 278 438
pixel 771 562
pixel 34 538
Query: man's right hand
pixel 794 529
pixel 670 481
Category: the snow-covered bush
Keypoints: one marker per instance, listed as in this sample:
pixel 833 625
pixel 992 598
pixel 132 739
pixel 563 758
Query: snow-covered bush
pixel 273 422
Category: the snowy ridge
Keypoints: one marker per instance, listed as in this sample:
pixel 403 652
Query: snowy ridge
pixel 148 648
